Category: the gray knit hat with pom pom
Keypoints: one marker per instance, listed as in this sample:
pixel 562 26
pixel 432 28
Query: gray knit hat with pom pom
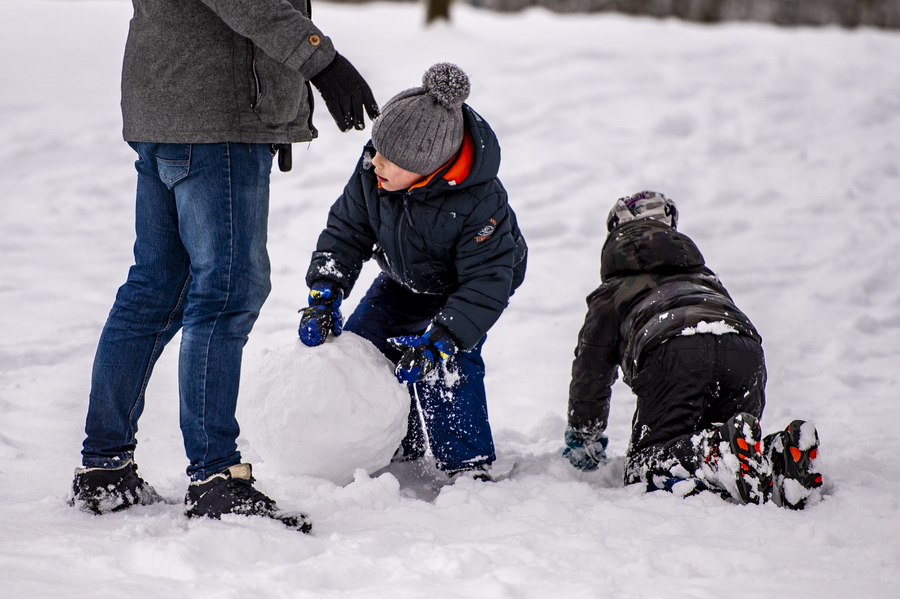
pixel 420 129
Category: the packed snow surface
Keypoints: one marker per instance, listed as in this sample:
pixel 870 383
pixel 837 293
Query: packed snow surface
pixel 781 148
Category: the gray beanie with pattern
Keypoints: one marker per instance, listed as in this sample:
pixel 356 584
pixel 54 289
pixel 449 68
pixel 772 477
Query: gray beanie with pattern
pixel 420 129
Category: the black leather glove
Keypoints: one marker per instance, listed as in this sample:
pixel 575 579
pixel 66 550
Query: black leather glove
pixel 345 93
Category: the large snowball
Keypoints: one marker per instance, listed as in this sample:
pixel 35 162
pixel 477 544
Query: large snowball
pixel 323 411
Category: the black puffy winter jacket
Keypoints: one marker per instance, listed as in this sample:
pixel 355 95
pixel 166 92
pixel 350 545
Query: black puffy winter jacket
pixel 655 286
pixel 455 235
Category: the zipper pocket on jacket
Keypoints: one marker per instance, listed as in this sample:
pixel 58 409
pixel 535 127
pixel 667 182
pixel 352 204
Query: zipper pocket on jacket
pixel 312 107
pixel 254 77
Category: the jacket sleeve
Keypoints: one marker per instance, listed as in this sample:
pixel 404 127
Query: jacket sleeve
pixel 280 30
pixel 347 240
pixel 594 368
pixel 485 256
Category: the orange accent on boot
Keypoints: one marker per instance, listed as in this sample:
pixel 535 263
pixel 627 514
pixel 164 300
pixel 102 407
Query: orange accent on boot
pixel 757 447
pixel 813 454
pixel 745 467
pixel 796 454
pixel 743 444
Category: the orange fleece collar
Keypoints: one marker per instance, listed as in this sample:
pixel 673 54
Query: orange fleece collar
pixel 461 165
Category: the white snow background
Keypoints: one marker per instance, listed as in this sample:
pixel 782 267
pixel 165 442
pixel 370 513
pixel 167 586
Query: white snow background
pixel 781 148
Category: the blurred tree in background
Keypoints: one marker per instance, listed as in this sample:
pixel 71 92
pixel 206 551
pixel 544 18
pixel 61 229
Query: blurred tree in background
pixel 845 13
pixel 884 14
pixel 437 10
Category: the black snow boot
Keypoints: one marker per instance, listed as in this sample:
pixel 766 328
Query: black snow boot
pixel 231 492
pixel 792 453
pixel 731 460
pixel 104 490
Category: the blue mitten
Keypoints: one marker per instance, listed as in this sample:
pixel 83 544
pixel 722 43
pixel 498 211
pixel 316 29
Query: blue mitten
pixel 585 450
pixel 421 353
pixel 323 315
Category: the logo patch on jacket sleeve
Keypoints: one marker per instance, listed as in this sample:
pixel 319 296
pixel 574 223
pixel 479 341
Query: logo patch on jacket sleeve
pixel 486 231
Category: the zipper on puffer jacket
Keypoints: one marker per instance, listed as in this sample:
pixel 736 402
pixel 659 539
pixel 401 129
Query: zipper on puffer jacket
pixel 401 248
pixel 254 77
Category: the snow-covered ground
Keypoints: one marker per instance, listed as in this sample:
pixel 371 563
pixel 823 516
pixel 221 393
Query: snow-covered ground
pixel 782 149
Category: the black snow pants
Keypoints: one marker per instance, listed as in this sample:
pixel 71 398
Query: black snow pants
pixel 689 384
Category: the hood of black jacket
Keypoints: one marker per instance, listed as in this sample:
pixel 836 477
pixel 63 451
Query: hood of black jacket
pixel 647 246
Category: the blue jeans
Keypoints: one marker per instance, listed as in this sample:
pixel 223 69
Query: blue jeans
pixel 200 265
pixel 453 399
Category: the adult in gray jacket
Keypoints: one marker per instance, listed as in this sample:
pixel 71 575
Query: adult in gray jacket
pixel 210 90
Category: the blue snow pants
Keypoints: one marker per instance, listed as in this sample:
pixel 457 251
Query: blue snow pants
pixel 452 399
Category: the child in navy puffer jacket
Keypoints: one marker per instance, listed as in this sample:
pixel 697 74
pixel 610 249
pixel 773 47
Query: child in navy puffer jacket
pixel 426 203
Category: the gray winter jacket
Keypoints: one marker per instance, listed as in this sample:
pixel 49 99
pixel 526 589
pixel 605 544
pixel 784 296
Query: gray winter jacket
pixel 207 71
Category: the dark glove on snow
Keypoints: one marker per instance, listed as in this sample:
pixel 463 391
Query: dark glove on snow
pixel 585 450
pixel 345 93
pixel 323 315
pixel 422 353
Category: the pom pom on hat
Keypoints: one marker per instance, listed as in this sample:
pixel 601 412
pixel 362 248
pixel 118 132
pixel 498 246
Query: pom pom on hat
pixel 447 83
pixel 420 129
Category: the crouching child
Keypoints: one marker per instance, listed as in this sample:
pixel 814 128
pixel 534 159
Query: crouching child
pixel 695 363
pixel 426 203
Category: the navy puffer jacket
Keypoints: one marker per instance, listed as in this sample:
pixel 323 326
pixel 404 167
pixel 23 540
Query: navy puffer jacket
pixel 455 236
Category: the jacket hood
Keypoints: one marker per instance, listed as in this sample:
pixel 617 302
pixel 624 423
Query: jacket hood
pixel 485 156
pixel 647 246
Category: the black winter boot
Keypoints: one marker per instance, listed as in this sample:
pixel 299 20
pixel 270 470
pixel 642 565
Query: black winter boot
pixel 792 453
pixel 104 490
pixel 731 459
pixel 231 492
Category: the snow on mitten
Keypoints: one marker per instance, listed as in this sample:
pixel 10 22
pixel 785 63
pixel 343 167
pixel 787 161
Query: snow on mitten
pixel 585 450
pixel 323 316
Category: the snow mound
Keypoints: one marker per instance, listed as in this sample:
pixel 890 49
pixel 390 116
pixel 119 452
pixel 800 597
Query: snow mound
pixel 323 411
